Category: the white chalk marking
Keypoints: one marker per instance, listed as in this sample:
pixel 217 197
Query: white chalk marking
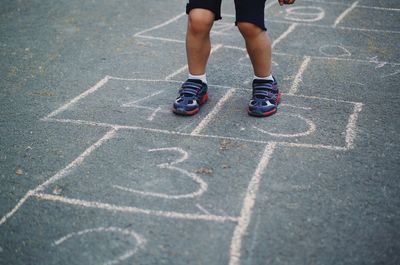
pixel 270 4
pixel 352 125
pixel 311 128
pixel 313 146
pixel 150 108
pixel 139 240
pixel 161 25
pixel 301 23
pixel 358 6
pixel 77 161
pixel 16 208
pixel 185 68
pixel 391 74
pixel 380 8
pixel 153 115
pixel 344 14
pixel 293 106
pixel 141 79
pixel 202 209
pixel 284 35
pixel 129 209
pixel 94 88
pixel 248 204
pixel 203 186
pixel 293 13
pixel 299 76
pixel 161 39
pixel 325 48
pixel 133 103
pixel 119 127
pixel 211 115
pixel 177 72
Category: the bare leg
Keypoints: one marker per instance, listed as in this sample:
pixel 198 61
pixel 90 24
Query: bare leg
pixel 198 45
pixel 258 47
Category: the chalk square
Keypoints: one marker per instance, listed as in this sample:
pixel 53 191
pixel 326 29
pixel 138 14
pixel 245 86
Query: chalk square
pixel 164 172
pixel 344 80
pixel 140 103
pixel 300 120
pixel 341 43
pixel 306 12
pixel 66 234
pixel 380 19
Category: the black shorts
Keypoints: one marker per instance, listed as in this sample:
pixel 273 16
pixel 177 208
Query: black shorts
pixel 246 10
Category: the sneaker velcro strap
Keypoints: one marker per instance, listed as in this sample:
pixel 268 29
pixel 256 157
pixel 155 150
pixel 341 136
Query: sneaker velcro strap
pixel 264 86
pixel 263 93
pixel 190 88
pixel 188 91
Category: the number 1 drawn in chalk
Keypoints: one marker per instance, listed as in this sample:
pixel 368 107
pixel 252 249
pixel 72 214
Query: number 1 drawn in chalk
pixel 171 166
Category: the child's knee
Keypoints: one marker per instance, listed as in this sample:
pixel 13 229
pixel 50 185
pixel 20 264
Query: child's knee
pixel 200 21
pixel 249 30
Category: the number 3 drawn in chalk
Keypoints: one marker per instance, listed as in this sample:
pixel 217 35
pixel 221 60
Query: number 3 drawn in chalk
pixel 171 166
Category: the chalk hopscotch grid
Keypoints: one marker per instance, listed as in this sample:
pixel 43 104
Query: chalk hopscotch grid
pixel 245 217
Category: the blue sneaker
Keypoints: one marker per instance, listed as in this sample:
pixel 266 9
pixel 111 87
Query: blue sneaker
pixel 266 97
pixel 192 95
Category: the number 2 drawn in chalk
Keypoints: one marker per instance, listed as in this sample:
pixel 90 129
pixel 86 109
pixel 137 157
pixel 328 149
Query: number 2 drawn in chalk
pixel 140 242
pixel 172 166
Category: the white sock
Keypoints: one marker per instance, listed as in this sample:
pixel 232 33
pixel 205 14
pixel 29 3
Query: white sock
pixel 203 77
pixel 270 77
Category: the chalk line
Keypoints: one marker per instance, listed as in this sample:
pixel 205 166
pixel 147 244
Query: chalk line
pixel 153 115
pixel 135 210
pixel 162 24
pixel 248 205
pixel 59 174
pixel 140 241
pixel 284 34
pixel 211 115
pixel 352 125
pixel 311 129
pixel 94 88
pixel 161 39
pixel 185 67
pixel 77 161
pixel 344 14
pixel 299 76
pixel 134 102
pixel 16 208
pixel 270 4
pixel 358 6
pixel 202 209
pixel 126 127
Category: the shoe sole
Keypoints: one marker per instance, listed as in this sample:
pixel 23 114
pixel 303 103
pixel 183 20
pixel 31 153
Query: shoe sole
pixel 202 101
pixel 268 113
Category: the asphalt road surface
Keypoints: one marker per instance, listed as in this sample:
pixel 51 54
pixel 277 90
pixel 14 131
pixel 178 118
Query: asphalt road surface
pixel 95 169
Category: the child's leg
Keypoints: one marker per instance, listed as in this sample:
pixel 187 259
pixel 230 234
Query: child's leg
pixel 258 47
pixel 250 21
pixel 193 92
pixel 198 45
